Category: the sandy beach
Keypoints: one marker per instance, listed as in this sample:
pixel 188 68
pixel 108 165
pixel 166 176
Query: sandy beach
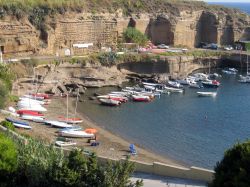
pixel 111 145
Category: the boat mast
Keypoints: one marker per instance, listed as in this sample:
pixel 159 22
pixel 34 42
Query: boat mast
pixel 76 102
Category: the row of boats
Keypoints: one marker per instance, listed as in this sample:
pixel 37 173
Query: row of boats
pixel 148 91
pixel 32 108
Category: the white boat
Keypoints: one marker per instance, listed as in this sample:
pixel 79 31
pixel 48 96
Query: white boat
pixel 229 72
pixel 151 84
pixel 174 84
pixel 171 89
pixel 28 100
pixel 245 79
pixel 195 85
pixel 149 87
pixel 34 97
pixel 22 126
pixel 58 124
pixel 64 143
pixel 33 108
pixel 233 69
pixel 207 94
pixel 200 76
pixel 109 102
pixel 75 134
pixel 185 81
pixel 33 118
pixel 70 120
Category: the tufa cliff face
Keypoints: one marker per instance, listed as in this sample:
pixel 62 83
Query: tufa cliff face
pixel 178 26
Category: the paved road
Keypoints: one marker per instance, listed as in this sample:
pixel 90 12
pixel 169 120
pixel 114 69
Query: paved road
pixel 160 181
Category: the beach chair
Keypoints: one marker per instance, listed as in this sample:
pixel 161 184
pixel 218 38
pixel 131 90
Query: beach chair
pixel 132 149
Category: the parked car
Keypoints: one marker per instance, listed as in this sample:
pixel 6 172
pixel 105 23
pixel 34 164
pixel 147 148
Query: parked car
pixel 162 46
pixel 228 48
pixel 211 46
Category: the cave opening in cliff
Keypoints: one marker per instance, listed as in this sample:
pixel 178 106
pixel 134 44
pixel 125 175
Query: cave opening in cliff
pixel 246 34
pixel 207 29
pixel 132 23
pixel 160 31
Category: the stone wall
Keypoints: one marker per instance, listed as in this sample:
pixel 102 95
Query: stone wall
pixel 188 28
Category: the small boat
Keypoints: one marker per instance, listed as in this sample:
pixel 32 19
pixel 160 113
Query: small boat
pixel 233 69
pixel 73 128
pixel 207 94
pixel 64 143
pixel 75 134
pixel 57 124
pixel 71 120
pixel 245 79
pixel 174 84
pixel 229 72
pixel 33 97
pixel 141 98
pixel 19 124
pixel 200 76
pixel 41 95
pixel 171 89
pixel 113 97
pixel 33 118
pixel 109 102
pixel 29 112
pixel 31 101
pixel 195 85
pixel 211 83
pixel 147 87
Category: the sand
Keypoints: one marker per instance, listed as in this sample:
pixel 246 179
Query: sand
pixel 111 145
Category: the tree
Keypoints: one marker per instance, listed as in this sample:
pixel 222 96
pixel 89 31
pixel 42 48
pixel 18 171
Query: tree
pixel 133 35
pixel 234 169
pixel 8 158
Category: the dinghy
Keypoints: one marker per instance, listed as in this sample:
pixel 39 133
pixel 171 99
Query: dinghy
pixel 141 98
pixel 76 134
pixel 57 124
pixel 29 112
pixel 33 108
pixel 171 89
pixel 109 102
pixel 19 124
pixel 207 94
pixel 33 118
pixel 64 143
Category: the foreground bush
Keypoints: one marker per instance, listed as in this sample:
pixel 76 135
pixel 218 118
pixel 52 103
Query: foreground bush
pixel 8 158
pixel 39 165
pixel 234 169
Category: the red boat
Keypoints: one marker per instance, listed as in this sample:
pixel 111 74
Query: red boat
pixel 45 96
pixel 123 100
pixel 141 98
pixel 29 112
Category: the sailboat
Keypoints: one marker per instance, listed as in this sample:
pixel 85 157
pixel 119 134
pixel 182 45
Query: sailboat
pixel 245 79
pixel 73 120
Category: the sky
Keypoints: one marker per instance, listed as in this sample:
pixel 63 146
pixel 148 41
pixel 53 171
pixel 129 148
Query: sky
pixel 236 1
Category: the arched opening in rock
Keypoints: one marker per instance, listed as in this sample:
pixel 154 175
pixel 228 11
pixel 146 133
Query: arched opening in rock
pixel 132 23
pixel 227 37
pixel 160 31
pixel 207 29
pixel 246 34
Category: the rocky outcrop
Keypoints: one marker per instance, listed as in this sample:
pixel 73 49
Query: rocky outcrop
pixel 74 33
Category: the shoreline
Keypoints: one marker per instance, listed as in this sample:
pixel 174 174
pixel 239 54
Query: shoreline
pixel 111 145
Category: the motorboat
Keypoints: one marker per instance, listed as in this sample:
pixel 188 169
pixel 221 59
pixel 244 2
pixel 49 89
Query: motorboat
pixel 211 83
pixel 229 72
pixel 185 81
pixel 109 102
pixel 200 76
pixel 174 84
pixel 195 85
pixel 244 79
pixel 57 124
pixel 76 134
pixel 171 89
pixel 233 69
pixel 113 97
pixel 141 98
pixel 207 94
pixel 19 124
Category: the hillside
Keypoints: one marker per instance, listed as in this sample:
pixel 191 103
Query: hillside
pixel 62 27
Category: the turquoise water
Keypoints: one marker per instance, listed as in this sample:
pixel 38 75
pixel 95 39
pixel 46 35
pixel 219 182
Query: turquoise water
pixel 187 128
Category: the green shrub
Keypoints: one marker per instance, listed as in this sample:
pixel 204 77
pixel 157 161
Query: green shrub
pixel 133 35
pixel 13 98
pixel 233 169
pixel 8 125
pixel 8 158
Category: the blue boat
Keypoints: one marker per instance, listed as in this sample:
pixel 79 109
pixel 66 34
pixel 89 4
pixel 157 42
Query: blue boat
pixel 19 124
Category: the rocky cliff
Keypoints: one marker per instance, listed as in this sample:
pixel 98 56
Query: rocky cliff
pixel 66 32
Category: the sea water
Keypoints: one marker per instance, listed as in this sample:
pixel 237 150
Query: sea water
pixel 191 129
